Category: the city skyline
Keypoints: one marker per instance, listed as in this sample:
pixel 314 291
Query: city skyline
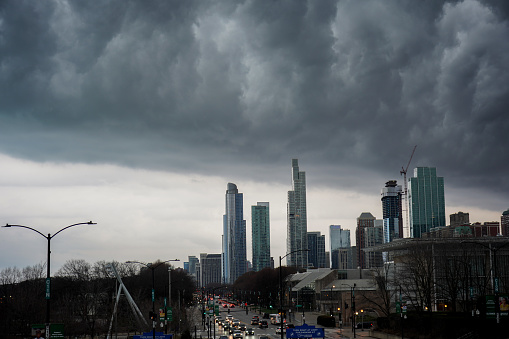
pixel 135 116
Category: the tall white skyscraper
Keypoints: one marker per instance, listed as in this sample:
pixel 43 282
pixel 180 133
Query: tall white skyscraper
pixel 297 228
pixel 233 256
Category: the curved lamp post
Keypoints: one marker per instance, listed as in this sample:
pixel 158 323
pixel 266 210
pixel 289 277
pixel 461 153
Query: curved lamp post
pixel 152 268
pixel 48 274
pixel 281 286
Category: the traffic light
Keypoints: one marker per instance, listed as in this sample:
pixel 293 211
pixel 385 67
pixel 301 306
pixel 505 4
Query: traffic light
pixel 152 315
pixel 346 305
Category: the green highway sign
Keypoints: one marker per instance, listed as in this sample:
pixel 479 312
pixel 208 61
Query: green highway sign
pixel 169 313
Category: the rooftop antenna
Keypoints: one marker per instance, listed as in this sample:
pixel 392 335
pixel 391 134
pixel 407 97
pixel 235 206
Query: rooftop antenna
pixel 405 193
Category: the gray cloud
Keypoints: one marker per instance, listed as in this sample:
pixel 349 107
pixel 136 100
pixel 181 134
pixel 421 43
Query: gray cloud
pixel 244 86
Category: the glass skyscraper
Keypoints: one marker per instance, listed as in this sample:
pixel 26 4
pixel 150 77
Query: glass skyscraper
pixel 233 256
pixel 392 211
pixel 316 246
pixel 260 231
pixel 340 248
pixel 426 201
pixel 297 220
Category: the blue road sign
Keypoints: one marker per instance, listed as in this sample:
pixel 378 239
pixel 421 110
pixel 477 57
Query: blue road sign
pixel 305 331
pixel 148 335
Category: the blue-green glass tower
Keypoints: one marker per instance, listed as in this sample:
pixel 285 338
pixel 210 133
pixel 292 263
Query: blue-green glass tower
pixel 260 235
pixel 426 201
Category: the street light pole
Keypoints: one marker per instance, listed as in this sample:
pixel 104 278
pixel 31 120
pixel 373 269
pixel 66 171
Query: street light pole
pixel 152 268
pixel 352 308
pixel 48 272
pixel 493 272
pixel 281 286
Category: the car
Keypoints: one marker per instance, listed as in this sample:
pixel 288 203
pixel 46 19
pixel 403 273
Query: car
pixel 288 325
pixel 250 331
pixel 242 327
pixel 232 330
pixel 232 306
pixel 226 326
pixel 366 324
pixel 254 321
pixel 237 335
pixel 263 324
pixel 278 330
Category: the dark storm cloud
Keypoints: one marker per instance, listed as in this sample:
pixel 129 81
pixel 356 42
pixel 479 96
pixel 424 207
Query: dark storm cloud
pixel 192 84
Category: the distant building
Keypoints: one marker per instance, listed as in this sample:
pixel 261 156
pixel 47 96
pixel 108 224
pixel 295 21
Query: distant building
pixel 341 249
pixel 192 265
pixel 373 236
pixel 365 220
pixel 504 223
pixel 296 241
pixel 316 246
pixel 392 211
pixel 475 230
pixel 426 201
pixel 210 266
pixel 260 235
pixel 458 219
pixel 234 255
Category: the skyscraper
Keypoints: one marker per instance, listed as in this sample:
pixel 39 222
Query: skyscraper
pixel 504 223
pixel 340 248
pixel 373 236
pixel 365 220
pixel 426 201
pixel 316 246
pixel 210 265
pixel 297 228
pixel 260 235
pixel 233 263
pixel 392 211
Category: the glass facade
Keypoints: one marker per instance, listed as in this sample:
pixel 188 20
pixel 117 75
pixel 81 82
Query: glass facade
pixel 426 201
pixel 260 235
pixel 316 246
pixel 392 211
pixel 297 219
pixel 233 256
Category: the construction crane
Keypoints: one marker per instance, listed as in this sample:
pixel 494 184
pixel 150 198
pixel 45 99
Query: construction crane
pixel 405 193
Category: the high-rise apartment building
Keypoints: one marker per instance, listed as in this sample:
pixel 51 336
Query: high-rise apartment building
pixel 504 223
pixel 426 201
pixel 373 236
pixel 459 219
pixel 340 248
pixel 365 220
pixel 233 263
pixel 316 246
pixel 260 235
pixel 296 242
pixel 210 269
pixel 192 266
pixel 392 211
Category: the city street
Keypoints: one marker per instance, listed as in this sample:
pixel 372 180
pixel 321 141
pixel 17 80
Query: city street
pixel 310 319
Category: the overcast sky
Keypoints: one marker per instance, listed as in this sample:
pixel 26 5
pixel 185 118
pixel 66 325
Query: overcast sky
pixel 136 114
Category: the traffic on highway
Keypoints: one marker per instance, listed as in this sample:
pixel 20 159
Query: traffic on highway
pixel 235 322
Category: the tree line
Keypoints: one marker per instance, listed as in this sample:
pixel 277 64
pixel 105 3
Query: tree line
pixel 83 297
